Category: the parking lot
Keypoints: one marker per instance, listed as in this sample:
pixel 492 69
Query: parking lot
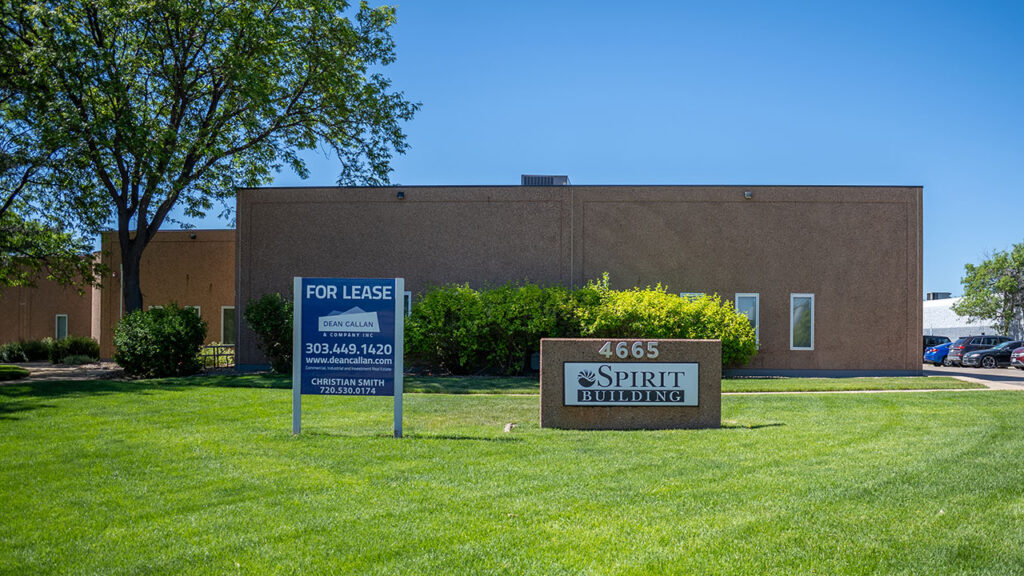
pixel 1006 376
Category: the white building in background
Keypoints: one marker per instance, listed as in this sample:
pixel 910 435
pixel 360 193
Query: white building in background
pixel 940 320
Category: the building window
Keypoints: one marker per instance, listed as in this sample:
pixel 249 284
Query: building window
pixel 749 304
pixel 691 295
pixel 407 302
pixel 62 327
pixel 199 312
pixel 801 321
pixel 227 325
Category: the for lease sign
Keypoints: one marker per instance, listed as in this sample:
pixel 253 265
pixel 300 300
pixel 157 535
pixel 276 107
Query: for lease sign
pixel 630 383
pixel 347 330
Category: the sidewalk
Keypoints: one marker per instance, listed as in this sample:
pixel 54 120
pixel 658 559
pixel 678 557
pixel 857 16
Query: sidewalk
pixel 46 372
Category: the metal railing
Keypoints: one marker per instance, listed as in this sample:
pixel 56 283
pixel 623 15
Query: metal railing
pixel 217 355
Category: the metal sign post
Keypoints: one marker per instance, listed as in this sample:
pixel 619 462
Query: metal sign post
pixel 399 351
pixel 348 340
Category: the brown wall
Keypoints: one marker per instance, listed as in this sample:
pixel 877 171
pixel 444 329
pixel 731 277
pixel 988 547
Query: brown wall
pixel 176 267
pixel 31 313
pixel 857 249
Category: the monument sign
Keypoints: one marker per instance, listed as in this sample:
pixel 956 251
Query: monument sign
pixel 616 384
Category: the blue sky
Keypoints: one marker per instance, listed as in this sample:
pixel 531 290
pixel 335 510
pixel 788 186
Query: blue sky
pixel 858 93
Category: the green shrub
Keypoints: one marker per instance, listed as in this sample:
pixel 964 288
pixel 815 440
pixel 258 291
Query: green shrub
pixel 444 329
pixel 12 372
pixel 517 317
pixel 12 352
pixel 37 350
pixel 78 359
pixel 74 346
pixel 465 331
pixel 160 342
pixel 654 313
pixel 270 317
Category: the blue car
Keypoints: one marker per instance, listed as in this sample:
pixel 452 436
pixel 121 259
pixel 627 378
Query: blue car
pixel 937 354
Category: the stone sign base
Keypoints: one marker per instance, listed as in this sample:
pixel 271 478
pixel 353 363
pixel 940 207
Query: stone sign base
pixel 611 386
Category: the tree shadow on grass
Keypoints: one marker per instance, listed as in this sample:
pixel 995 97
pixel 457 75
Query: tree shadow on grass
pixel 502 439
pixel 472 384
pixel 414 436
pixel 739 426
pixel 9 411
pixel 24 396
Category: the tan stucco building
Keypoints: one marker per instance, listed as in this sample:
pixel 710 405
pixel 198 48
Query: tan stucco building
pixel 48 310
pixel 843 260
pixel 190 267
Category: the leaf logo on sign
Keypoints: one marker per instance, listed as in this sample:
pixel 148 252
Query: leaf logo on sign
pixel 587 378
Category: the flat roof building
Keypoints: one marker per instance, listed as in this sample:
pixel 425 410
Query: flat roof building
pixel 848 256
pixel 48 310
pixel 189 267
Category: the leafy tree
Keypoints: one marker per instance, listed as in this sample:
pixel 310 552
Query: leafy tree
pixel 144 107
pixel 994 291
pixel 29 247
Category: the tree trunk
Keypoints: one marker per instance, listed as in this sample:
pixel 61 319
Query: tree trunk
pixel 131 289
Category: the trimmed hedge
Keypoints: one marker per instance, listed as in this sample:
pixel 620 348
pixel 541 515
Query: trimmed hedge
pixel 12 352
pixel 160 342
pixel 37 350
pixel 26 350
pixel 78 360
pixel 462 330
pixel 74 346
pixel 465 331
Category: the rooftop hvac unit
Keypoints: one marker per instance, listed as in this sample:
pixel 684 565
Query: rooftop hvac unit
pixel 543 180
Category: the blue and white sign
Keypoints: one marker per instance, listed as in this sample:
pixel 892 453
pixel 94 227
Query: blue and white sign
pixel 348 339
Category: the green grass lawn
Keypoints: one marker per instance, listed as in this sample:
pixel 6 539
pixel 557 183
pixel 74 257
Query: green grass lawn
pixel 8 372
pixel 844 384
pixel 530 385
pixel 200 476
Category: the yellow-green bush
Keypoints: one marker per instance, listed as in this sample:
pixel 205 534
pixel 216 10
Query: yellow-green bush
pixel 655 313
pixel 463 330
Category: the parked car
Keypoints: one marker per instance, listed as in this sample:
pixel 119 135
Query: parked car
pixel 998 356
pixel 1017 359
pixel 937 354
pixel 953 353
pixel 930 341
pixel 972 343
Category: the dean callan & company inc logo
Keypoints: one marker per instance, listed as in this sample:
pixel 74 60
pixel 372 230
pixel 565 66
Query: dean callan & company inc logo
pixel 631 383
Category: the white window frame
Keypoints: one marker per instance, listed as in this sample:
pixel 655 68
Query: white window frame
pixel 56 326
pixel 407 302
pixel 198 309
pixel 793 297
pixel 692 295
pixel 222 309
pixel 757 312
